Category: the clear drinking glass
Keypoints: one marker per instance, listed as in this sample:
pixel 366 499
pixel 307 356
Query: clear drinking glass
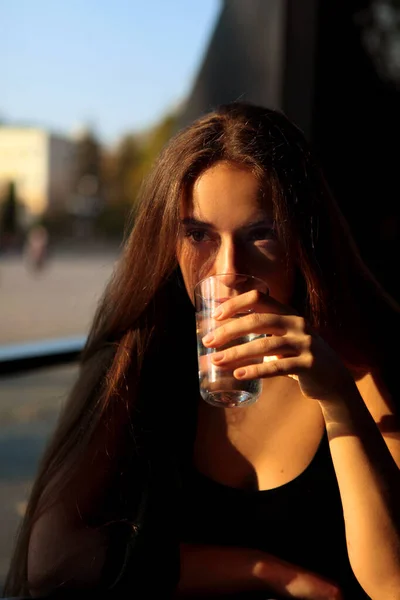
pixel 218 386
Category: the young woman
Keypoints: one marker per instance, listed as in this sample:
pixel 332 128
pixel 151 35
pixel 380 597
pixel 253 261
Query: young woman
pixel 144 487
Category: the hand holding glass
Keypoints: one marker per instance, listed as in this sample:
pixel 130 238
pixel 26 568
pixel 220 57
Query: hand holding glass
pixel 218 386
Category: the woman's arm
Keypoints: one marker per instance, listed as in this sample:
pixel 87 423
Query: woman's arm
pixel 368 476
pixel 369 484
pixel 219 570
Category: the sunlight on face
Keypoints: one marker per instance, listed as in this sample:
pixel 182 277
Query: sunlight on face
pixel 228 227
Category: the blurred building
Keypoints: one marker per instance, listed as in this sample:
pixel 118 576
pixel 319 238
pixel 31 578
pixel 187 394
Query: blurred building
pixel 41 165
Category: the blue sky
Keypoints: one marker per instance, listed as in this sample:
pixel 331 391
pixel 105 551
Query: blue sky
pixel 116 65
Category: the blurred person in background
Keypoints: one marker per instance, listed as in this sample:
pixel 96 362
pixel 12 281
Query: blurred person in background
pixel 145 488
pixel 36 248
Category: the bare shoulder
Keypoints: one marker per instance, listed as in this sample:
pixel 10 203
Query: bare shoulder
pixel 381 405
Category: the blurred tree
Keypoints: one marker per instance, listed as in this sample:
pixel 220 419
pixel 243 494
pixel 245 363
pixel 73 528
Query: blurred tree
pixel 88 157
pixel 124 170
pixel 87 199
pixel 9 211
pixel 149 146
pixel 127 166
pixel 120 167
pixel 9 217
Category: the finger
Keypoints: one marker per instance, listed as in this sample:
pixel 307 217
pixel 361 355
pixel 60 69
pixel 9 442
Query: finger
pixel 282 366
pixel 253 300
pixel 264 347
pixel 254 323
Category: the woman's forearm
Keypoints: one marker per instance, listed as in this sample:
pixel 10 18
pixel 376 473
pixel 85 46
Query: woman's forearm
pixel 218 570
pixel 369 485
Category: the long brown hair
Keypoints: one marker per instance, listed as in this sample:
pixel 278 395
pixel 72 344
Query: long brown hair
pixel 137 320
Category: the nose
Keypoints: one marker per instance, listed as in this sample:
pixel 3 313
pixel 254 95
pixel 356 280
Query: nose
pixel 230 262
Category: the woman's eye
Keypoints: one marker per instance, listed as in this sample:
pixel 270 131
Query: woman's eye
pixel 264 233
pixel 197 235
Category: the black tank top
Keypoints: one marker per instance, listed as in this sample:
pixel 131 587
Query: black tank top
pixel 300 521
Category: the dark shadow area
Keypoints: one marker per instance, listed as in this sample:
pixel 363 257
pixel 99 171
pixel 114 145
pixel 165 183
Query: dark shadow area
pixel 356 128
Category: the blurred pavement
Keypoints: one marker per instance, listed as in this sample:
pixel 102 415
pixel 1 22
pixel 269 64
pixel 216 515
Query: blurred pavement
pixel 58 301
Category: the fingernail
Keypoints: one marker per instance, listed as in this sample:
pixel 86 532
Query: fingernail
pixel 217 313
pixel 207 339
pixel 218 357
pixel 240 373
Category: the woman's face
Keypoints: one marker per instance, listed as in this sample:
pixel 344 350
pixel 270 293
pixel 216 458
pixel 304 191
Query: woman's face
pixel 226 227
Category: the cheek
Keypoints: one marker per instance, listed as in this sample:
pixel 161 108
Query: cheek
pixel 282 284
pixel 270 263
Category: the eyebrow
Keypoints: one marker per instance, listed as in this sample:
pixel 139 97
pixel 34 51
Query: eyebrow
pixel 193 222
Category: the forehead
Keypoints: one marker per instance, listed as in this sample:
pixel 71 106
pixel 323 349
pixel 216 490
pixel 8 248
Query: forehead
pixel 227 191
